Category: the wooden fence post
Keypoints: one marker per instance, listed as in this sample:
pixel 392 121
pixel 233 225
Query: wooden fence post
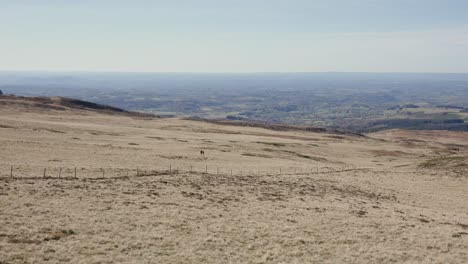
pixel 11 172
pixel 75 173
pixel 45 172
pixel 206 169
pixel 60 172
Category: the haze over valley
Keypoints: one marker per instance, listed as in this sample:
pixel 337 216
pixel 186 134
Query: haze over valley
pixel 358 102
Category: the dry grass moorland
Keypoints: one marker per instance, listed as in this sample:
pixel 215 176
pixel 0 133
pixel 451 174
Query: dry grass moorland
pixel 144 194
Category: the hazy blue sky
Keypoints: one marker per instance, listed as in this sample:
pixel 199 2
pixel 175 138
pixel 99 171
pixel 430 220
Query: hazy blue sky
pixel 235 36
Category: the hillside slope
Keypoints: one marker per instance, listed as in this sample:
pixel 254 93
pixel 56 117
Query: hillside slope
pixel 120 189
pixel 41 104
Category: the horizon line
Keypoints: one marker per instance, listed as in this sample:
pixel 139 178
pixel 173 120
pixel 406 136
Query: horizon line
pixel 220 73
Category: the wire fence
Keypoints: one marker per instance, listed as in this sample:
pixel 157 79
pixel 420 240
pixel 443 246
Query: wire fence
pixel 32 172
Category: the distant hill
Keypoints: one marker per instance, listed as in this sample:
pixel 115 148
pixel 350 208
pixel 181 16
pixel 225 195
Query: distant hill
pixel 64 104
pixel 276 126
